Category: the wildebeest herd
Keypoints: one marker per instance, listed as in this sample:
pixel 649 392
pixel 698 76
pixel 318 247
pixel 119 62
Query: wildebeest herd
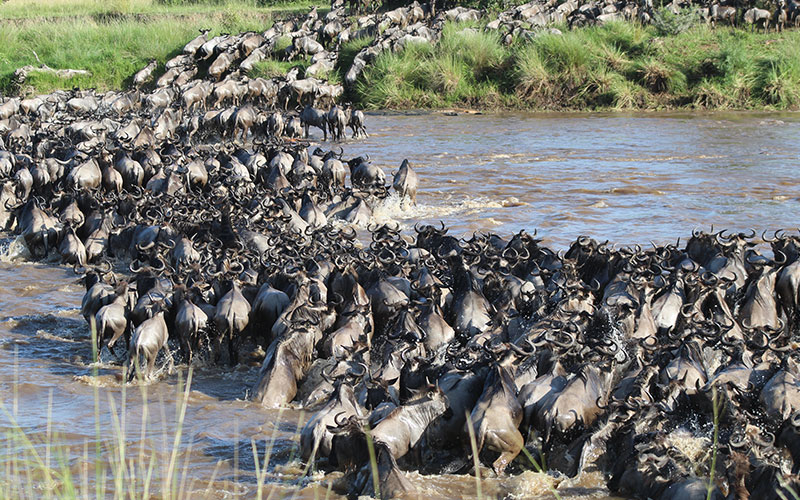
pixel 595 358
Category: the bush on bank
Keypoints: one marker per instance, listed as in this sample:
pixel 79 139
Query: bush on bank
pixel 619 65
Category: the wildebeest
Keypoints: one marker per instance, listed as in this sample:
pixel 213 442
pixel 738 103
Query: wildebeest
pixel 147 340
pixel 315 117
pixel 145 73
pixel 757 18
pixel 719 12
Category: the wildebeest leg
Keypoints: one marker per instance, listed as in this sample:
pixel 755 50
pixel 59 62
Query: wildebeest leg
pixel 133 364
pixel 113 341
pixel 217 348
pixel 186 349
pixel 512 444
pixel 110 346
pixel 233 350
pixel 151 362
pixel 170 359
pixel 501 463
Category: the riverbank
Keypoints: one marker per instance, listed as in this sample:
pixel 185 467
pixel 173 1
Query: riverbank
pixel 113 40
pixel 22 10
pixel 616 66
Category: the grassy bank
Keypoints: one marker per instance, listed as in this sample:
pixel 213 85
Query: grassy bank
pixel 113 51
pixel 49 9
pixel 616 66
pixel 114 39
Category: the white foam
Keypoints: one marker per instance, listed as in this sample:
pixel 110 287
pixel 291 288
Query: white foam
pixel 393 209
pixel 15 249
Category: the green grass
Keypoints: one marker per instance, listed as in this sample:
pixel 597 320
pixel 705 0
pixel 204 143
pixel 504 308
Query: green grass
pixel 465 68
pixel 271 68
pixel 113 39
pixel 112 51
pixel 33 9
pixel 619 65
pixel 349 50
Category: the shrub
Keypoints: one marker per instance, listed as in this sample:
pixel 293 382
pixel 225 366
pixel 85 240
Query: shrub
pixel 778 81
pixel 659 77
pixel 531 75
pixel 481 51
pixel 669 23
pixel 624 94
pixel 566 53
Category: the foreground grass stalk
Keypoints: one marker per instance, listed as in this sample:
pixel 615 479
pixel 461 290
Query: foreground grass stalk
pixel 68 486
pixel 20 439
pixel 85 470
pixel 149 477
pixel 783 484
pixel 145 416
pixel 475 460
pixel 184 403
pixel 98 469
pixel 212 478
pixel 540 470
pixel 117 457
pixel 373 462
pixel 268 454
pixel 48 440
pixel 185 472
pixel 715 405
pixel 236 456
pixel 164 441
pixel 15 396
pixel 328 491
pixel 259 482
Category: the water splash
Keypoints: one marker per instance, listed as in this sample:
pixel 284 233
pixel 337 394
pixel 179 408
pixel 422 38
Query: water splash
pixel 394 209
pixel 14 249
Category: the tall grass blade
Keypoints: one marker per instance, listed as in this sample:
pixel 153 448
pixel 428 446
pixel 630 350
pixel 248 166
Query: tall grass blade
pixel 373 462
pixel 715 405
pixel 475 460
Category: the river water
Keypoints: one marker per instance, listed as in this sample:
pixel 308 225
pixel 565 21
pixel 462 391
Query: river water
pixel 628 179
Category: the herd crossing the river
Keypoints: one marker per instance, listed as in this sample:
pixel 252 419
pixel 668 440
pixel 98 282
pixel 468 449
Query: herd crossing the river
pixel 204 221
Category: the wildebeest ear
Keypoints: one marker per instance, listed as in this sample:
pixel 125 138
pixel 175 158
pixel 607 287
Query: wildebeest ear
pixel 431 394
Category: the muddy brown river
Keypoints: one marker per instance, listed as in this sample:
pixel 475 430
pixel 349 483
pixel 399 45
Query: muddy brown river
pixel 626 178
